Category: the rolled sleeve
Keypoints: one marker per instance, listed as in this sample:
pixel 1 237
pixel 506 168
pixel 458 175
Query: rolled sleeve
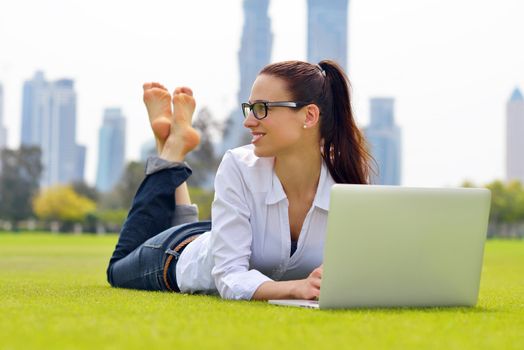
pixel 231 235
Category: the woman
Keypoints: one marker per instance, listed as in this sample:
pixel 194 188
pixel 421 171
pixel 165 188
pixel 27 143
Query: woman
pixel 271 197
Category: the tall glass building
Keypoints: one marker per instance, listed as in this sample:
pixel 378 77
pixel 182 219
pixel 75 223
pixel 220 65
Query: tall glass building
pixel 254 54
pixel 515 137
pixel 384 139
pixel 49 122
pixel 327 27
pixel 111 149
pixel 3 130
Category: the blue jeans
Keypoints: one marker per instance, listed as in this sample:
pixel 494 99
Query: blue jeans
pixel 147 239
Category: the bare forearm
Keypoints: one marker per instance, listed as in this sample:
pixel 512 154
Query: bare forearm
pixel 308 288
pixel 276 290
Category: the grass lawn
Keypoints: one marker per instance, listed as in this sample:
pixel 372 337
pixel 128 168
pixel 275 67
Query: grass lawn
pixel 53 295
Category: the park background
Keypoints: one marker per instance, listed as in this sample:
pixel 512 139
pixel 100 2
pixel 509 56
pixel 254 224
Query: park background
pixel 451 67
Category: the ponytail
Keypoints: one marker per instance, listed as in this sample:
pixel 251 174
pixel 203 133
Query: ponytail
pixel 344 148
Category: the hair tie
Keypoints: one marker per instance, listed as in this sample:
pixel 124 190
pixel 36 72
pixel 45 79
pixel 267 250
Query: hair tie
pixel 322 71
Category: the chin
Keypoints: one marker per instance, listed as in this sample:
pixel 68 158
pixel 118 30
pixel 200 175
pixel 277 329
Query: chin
pixel 260 152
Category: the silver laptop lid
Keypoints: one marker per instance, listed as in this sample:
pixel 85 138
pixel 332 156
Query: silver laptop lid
pixel 396 246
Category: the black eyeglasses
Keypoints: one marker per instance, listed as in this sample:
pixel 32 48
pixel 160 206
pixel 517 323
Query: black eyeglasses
pixel 259 109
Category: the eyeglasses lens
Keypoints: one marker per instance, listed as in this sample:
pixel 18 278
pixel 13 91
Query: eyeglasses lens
pixel 259 109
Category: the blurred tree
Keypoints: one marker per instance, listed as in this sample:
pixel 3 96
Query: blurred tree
pixel 85 190
pixel 19 182
pixel 203 199
pixel 122 195
pixel 107 220
pixel 507 208
pixel 129 182
pixel 468 184
pixel 498 201
pixel 63 204
pixel 203 160
pixel 515 194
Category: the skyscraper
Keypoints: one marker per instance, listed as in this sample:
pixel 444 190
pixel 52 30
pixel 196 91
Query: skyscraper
pixel 3 130
pixel 111 149
pixel 254 54
pixel 49 121
pixel 515 137
pixel 384 140
pixel 327 27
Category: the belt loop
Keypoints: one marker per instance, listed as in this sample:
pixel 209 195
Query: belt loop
pixel 176 255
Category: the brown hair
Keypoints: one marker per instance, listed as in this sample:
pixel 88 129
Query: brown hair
pixel 344 148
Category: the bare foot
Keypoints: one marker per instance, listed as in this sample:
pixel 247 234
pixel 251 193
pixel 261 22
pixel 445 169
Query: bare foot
pixel 182 137
pixel 158 103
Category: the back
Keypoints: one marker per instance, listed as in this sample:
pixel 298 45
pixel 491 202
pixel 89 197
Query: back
pixel 396 246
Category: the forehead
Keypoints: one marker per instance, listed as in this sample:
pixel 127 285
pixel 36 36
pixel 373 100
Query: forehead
pixel 269 88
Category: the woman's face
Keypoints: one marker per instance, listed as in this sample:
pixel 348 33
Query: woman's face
pixel 280 132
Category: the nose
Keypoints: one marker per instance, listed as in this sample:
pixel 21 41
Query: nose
pixel 250 121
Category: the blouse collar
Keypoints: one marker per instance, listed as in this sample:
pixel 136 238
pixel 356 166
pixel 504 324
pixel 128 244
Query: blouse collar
pixel 276 191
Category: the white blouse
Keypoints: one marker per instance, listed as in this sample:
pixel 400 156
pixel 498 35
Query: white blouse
pixel 250 241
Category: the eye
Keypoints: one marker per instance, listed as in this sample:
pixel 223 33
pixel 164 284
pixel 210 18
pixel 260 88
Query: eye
pixel 259 109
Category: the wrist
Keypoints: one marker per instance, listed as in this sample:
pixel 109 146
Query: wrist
pixel 294 291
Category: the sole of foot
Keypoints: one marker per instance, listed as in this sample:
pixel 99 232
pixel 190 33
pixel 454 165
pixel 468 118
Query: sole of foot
pixel 158 104
pixel 182 137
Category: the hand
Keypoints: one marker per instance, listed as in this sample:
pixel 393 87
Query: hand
pixel 309 288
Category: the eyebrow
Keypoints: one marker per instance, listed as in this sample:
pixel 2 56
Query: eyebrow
pixel 255 101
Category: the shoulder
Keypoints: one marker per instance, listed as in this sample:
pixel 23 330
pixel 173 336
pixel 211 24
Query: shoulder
pixel 242 162
pixel 244 158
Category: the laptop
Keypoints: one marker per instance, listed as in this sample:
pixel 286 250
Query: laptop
pixel 389 246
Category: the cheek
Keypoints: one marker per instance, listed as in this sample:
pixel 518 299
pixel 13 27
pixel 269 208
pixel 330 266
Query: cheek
pixel 285 136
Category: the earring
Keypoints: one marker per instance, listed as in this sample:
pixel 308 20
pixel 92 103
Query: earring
pixel 305 126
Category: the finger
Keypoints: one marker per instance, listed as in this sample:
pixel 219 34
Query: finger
pixel 315 294
pixel 317 273
pixel 315 282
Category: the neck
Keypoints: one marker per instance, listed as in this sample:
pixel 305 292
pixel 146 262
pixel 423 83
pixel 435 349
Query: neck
pixel 299 173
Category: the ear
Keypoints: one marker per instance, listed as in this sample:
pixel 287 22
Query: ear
pixel 312 116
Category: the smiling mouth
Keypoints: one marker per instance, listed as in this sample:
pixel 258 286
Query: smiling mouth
pixel 256 137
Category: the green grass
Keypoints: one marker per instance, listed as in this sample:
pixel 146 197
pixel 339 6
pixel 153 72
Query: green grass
pixel 53 295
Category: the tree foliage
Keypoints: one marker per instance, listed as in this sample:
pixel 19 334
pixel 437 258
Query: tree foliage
pixel 123 193
pixel 85 190
pixel 507 201
pixel 203 160
pixel 506 216
pixel 203 199
pixel 19 182
pixel 62 203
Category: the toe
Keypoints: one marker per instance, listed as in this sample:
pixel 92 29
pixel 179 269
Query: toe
pixel 158 85
pixel 183 90
pixel 186 90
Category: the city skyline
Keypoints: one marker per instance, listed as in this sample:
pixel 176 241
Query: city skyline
pixel 515 137
pixel 327 31
pixel 255 52
pixel 111 149
pixel 385 142
pixel 451 83
pixel 49 121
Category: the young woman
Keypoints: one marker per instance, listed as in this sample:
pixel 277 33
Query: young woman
pixel 271 197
